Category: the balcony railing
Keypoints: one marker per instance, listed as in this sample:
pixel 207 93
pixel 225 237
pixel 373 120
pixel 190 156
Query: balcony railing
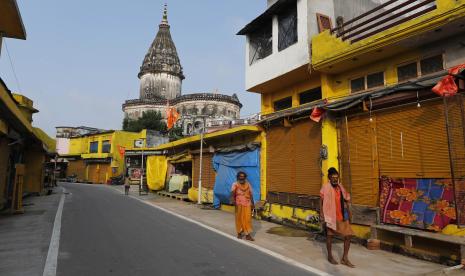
pixel 385 16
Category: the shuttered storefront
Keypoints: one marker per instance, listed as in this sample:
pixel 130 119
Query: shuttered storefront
pixel 104 170
pixel 78 168
pixel 293 158
pixel 208 174
pixel 92 173
pixel 403 142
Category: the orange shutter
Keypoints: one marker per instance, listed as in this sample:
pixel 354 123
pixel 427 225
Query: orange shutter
pixel 208 174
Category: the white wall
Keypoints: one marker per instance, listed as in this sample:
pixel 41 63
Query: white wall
pixel 62 146
pixel 279 63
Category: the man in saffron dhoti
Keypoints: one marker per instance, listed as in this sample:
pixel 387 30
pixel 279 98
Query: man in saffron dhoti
pixel 241 198
pixel 335 213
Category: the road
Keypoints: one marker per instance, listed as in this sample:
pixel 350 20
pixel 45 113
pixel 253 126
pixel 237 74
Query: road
pixel 106 233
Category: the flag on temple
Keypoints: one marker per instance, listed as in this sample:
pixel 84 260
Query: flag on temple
pixel 172 117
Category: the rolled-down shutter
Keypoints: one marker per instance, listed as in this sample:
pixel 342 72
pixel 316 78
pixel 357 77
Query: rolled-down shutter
pixel 208 174
pixel 92 173
pixel 307 151
pixel 104 170
pixel 412 142
pixel 279 164
pixel 358 163
pixel 293 158
pixel 77 167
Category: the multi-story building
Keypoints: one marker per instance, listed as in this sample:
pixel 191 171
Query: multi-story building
pixel 365 71
pixel 23 148
pixel 96 157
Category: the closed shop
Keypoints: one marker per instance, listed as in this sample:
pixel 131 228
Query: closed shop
pixel 78 168
pixel 208 173
pixel 92 173
pixel 403 142
pixel 104 171
pixel 293 158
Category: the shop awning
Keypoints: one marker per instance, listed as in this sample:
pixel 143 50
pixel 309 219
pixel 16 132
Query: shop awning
pixel 180 158
pixel 212 135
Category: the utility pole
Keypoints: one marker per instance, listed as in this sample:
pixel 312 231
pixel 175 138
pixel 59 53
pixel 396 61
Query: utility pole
pixel 199 200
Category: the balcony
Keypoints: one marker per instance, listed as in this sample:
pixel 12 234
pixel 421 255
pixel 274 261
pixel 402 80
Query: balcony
pixel 390 28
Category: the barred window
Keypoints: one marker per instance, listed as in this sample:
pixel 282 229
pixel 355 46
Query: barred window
pixel 260 43
pixel 375 80
pixel 287 22
pixel 407 71
pixel 431 65
pixel 357 84
pixel 310 95
pixel 283 104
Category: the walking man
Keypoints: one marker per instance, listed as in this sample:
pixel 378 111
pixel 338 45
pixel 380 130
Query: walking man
pixel 126 183
pixel 334 212
pixel 241 197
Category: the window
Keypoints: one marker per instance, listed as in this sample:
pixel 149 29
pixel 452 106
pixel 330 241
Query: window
pixel 406 72
pixel 324 22
pixel 367 82
pixel 357 84
pixel 283 104
pixel 287 22
pixel 260 43
pixel 93 147
pixel 310 95
pixel 422 67
pixel 106 146
pixel 431 65
pixel 375 80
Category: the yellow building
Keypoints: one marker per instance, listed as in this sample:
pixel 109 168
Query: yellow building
pixel 23 148
pixel 183 157
pixel 371 74
pixel 96 157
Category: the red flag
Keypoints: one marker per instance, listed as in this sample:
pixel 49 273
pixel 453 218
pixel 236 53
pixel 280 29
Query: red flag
pixel 121 150
pixel 171 117
pixel 317 114
pixel 447 86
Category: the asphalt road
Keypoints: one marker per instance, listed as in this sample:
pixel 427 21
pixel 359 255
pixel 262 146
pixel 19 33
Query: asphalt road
pixel 106 233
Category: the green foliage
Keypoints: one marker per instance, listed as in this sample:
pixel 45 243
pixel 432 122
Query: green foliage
pixel 175 133
pixel 151 120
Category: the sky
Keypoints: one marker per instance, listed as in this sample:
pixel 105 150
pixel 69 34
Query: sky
pixel 81 58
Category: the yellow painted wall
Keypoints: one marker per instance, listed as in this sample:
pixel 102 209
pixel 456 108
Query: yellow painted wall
pixel 4 154
pixel 327 50
pixel 268 99
pixel 34 159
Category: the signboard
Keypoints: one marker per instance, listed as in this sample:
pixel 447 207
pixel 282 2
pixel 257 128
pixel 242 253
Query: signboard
pixel 139 143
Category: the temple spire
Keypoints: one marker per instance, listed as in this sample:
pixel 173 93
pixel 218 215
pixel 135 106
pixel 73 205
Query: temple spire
pixel 164 20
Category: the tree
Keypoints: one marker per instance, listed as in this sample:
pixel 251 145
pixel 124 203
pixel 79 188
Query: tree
pixel 151 120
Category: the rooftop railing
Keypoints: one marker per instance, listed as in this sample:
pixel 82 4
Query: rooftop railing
pixel 385 16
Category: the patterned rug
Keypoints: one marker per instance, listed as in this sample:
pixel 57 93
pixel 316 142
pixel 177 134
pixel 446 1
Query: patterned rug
pixel 418 203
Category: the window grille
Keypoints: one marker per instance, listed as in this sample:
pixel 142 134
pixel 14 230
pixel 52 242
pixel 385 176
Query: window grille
pixel 287 22
pixel 261 43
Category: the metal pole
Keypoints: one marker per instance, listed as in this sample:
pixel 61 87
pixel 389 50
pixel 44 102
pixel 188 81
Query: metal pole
pixel 199 200
pixel 142 170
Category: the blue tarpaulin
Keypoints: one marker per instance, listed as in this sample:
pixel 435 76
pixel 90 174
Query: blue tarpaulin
pixel 227 165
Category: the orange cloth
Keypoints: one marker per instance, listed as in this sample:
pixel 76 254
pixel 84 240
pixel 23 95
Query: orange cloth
pixel 327 194
pixel 447 86
pixel 337 194
pixel 172 117
pixel 242 193
pixel 243 219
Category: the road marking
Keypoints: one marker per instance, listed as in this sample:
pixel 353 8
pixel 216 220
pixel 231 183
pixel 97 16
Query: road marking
pixel 50 268
pixel 257 247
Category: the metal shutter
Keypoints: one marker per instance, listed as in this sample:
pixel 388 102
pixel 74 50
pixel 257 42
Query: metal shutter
pixel 307 144
pixel 293 158
pixel 208 174
pixel 93 173
pixel 279 160
pixel 77 167
pixel 358 163
pixel 412 142
pixel 102 174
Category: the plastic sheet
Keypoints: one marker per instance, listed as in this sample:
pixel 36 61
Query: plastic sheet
pixel 156 172
pixel 227 165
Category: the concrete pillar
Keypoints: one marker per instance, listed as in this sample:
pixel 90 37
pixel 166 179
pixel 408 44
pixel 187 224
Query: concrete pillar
pixel 329 131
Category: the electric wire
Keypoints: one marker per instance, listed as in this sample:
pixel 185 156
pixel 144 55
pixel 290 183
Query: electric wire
pixel 12 67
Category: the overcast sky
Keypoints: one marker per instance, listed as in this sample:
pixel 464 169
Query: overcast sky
pixel 81 58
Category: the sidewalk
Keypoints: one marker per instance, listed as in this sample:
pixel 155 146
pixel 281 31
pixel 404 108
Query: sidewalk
pixel 299 245
pixel 25 238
